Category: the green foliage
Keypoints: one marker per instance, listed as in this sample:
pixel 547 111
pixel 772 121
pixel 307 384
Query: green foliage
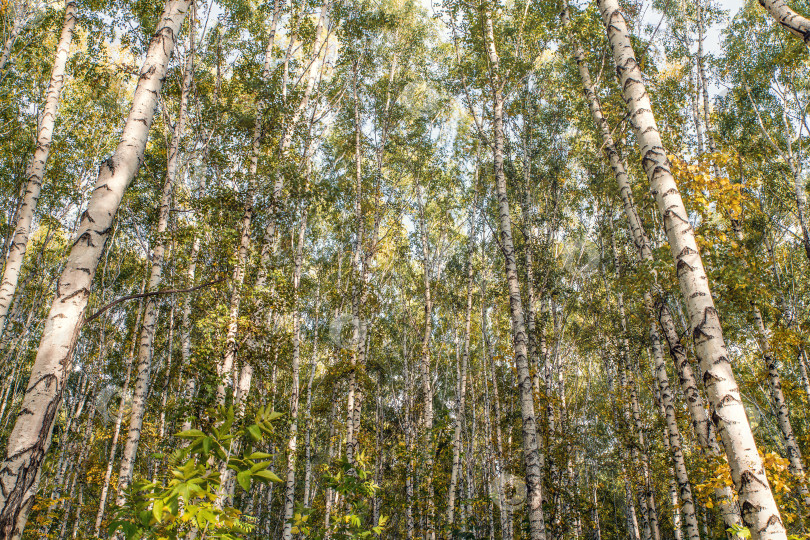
pixel 355 488
pixel 191 497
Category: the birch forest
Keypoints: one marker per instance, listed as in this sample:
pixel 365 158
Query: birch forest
pixel 405 269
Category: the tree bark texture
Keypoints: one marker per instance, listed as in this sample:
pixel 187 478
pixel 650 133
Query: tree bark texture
pixel 759 510
pixel 36 168
pixel 152 307
pixel 31 435
pixel 795 23
pixel 531 451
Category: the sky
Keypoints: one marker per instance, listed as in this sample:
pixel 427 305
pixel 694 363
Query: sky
pixel 713 35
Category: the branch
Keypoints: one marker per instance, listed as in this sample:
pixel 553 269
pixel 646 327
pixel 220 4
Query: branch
pixel 147 295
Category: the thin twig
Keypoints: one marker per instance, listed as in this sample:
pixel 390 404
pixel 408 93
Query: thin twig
pixel 147 295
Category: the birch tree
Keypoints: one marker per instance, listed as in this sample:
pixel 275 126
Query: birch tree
pixel 30 437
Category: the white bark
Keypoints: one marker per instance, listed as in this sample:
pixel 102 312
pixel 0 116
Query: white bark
pixel 795 23
pixel 226 366
pixel 531 451
pixel 462 385
pixel 313 365
pixel 17 25
pixel 292 445
pixel 31 435
pixel 36 168
pixel 119 419
pixel 759 510
pixel 425 371
pixel 185 335
pixel 312 75
pixel 152 308
pixel 794 454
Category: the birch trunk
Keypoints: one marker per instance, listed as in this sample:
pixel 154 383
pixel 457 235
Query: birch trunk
pixel 185 335
pixel 31 435
pixel 425 371
pixel 313 365
pixel 694 84
pixel 36 168
pixel 498 456
pixel 797 25
pixel 462 385
pixel 703 86
pixel 16 27
pixel 152 307
pixel 226 366
pixel 531 451
pixel 759 510
pixel 119 419
pixel 312 75
pixel 673 441
pixel 292 446
pixel 355 396
pixel 794 454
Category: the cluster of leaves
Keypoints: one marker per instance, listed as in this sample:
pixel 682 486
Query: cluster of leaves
pixel 192 498
pixel 354 486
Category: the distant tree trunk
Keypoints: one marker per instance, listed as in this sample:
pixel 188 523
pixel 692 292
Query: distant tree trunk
pixel 311 76
pixel 694 86
pixel 794 454
pixel 704 81
pixel 498 456
pixel 673 443
pixel 491 454
pixel 31 435
pixel 759 510
pixel 36 168
pixel 17 26
pixel 292 445
pixel 119 419
pixel 354 400
pixel 152 307
pixel 531 451
pixel 779 10
pixel 452 490
pixel 425 371
pixel 185 334
pixel 630 514
pixel 226 366
pixel 313 366
pixel 597 528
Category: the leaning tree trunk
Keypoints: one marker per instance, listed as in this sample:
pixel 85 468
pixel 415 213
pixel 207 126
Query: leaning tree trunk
pixel 531 451
pixel 795 23
pixel 759 510
pixel 31 435
pixel 36 169
pixel 152 308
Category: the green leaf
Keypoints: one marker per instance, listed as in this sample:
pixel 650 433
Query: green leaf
pixel 243 478
pixel 267 475
pixel 157 510
pixel 255 432
pixel 190 434
pixel 259 455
